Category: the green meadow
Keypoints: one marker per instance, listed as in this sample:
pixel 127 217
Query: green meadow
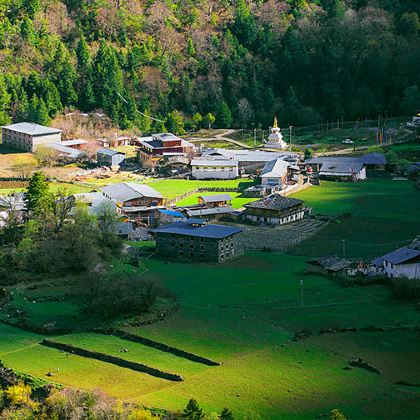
pixel 244 314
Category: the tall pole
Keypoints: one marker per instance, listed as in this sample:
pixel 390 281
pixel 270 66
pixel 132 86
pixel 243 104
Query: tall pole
pixel 301 293
pixel 255 137
pixel 290 136
pixel 343 242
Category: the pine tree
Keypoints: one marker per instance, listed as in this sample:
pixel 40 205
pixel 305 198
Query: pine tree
pixel 226 415
pixel 66 84
pixel 33 109
pixel 192 411
pixel 175 122
pixel 42 116
pixel 22 109
pixel 36 191
pixel 224 116
pixel 52 99
pixel 5 103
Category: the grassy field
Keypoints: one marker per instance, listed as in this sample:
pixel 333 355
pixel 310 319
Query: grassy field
pixel 378 215
pixel 243 315
pixel 172 188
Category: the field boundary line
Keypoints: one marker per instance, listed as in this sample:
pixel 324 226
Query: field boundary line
pixel 116 361
pixel 162 347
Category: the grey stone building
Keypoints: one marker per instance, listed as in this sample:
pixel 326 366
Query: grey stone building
pixel 29 136
pixel 194 240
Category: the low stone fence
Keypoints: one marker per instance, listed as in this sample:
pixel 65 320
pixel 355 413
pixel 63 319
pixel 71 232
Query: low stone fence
pixel 117 361
pixel 163 347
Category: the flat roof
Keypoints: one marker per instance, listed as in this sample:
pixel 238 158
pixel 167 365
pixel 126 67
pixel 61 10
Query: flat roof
pixel 201 231
pixel 32 129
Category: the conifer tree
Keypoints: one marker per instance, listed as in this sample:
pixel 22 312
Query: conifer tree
pixel 36 191
pixel 192 411
pixel 5 103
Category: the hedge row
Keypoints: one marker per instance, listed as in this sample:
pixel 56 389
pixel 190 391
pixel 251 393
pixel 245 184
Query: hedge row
pixel 162 347
pixel 138 367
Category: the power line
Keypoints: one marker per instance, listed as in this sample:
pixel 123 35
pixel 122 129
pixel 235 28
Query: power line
pixel 141 113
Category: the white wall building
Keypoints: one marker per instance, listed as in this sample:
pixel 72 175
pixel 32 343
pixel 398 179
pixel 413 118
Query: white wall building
pixel 275 173
pixel 403 262
pixel 28 136
pixel 214 169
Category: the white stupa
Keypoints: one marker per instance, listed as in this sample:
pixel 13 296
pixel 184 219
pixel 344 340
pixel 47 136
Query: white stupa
pixel 275 139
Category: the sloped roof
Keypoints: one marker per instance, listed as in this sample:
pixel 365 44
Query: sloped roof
pixel 109 152
pixel 336 159
pixel 202 230
pixel 401 255
pixel 338 167
pixel 32 129
pixel 274 202
pixel 69 151
pixel 209 212
pixel 276 168
pixel 215 198
pixel 125 191
pixel 374 159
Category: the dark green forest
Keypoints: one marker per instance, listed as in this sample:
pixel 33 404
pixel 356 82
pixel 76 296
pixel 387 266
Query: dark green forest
pixel 188 61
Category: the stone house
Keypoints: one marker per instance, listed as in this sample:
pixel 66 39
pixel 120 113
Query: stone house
pixel 29 136
pixel 274 210
pixel 109 157
pixel 195 240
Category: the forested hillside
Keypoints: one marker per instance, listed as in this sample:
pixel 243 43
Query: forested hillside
pixel 185 61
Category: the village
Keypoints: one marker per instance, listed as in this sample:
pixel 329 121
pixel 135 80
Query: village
pixel 201 254
pixel 275 173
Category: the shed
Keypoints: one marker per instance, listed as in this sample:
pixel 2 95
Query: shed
pixel 328 265
pixel 215 200
pixel 110 157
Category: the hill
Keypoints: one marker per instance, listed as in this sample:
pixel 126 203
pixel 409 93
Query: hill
pixel 187 62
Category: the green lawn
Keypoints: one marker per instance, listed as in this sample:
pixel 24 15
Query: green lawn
pixel 172 188
pixel 242 314
pixel 379 215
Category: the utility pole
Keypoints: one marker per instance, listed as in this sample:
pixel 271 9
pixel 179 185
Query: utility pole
pixel 290 136
pixel 301 293
pixel 255 137
pixel 343 242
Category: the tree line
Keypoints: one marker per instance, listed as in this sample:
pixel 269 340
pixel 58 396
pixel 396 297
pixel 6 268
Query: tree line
pixel 191 64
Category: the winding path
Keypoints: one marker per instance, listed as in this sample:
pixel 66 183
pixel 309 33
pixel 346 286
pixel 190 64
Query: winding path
pixel 222 137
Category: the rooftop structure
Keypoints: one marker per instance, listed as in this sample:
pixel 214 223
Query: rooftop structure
pixel 32 129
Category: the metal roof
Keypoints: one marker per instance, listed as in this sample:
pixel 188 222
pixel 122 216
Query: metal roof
pixel 75 142
pixel 215 198
pixel 69 151
pixel 246 155
pixel 274 202
pixel 32 129
pixel 109 152
pixel 340 168
pixel 334 159
pixel 125 191
pixel 401 255
pixel 374 159
pixel 209 212
pixel 213 162
pixel 201 231
pixel 166 136
pixel 275 168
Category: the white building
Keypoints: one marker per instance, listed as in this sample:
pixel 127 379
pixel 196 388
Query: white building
pixel 28 136
pixel 275 173
pixel 214 169
pixel 351 171
pixel 403 262
pixel 275 139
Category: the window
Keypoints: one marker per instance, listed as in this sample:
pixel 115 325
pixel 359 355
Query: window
pixel 201 246
pixel 192 246
pixel 181 245
pixel 181 253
